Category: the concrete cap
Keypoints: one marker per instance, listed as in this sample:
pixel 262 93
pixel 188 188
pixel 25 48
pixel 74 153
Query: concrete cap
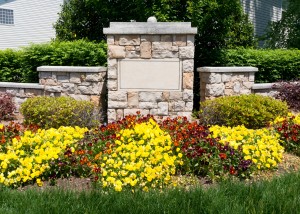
pixel 233 69
pixel 150 27
pixel 21 85
pixel 71 69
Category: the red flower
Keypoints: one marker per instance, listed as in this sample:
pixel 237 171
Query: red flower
pixel 222 156
pixel 232 170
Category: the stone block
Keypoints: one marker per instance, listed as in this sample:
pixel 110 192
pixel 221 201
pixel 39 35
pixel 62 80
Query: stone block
pixel 112 73
pixel 85 89
pixel 175 95
pixel 95 100
pixel 179 40
pixel 51 82
pixel 111 115
pixel 178 106
pixel 251 77
pixel 245 91
pixel 166 38
pixel 150 96
pixel 211 78
pixel 187 95
pixel 112 63
pixel 190 40
pixel 236 87
pixel 110 39
pixel 164 54
pixel 93 77
pixel 133 111
pixel 161 46
pixel 75 78
pixel 153 111
pixel 163 108
pixel 112 85
pixel 80 97
pixel 97 88
pixel 117 96
pixel 226 77
pixel 150 38
pixel 188 65
pixel 145 50
pixel 129 40
pixel 214 90
pixel 119 114
pixel 174 48
pixel 188 80
pixel 188 115
pixel 228 92
pixel 133 99
pixel 248 85
pixel 165 96
pixel 130 48
pixel 63 78
pixel 116 104
pixel 147 105
pixel 116 52
pixel 188 106
pixel 186 52
pixel 133 54
pixel 45 75
pixel 69 88
pixel 53 88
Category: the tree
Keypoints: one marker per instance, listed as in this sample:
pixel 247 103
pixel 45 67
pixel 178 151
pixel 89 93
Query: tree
pixel 221 23
pixel 286 32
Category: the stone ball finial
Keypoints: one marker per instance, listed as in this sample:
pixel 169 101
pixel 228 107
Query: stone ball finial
pixel 151 19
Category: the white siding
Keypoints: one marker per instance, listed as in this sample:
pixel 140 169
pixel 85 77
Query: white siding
pixel 261 12
pixel 33 22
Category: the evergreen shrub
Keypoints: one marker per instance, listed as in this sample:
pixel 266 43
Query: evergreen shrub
pixel 253 111
pixel 53 112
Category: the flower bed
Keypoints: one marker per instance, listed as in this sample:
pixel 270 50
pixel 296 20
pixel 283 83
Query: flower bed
pixel 140 153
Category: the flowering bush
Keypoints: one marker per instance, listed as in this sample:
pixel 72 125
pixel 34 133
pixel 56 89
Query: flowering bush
pixel 289 130
pixel 26 158
pixel 202 154
pixel 261 146
pixel 142 158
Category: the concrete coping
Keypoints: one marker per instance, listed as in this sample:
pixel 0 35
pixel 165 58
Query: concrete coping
pixel 21 85
pixel 258 86
pixel 233 69
pixel 81 69
pixel 150 28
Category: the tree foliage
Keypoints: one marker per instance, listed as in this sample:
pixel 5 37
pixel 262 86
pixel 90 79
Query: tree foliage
pixel 220 23
pixel 286 32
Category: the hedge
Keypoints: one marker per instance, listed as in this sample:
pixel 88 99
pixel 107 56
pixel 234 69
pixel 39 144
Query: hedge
pixel 20 65
pixel 273 65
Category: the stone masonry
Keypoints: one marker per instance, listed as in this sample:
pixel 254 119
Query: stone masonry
pixel 225 81
pixel 148 42
pixel 81 83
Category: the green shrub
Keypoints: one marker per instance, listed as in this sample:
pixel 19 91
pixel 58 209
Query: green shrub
pixel 252 111
pixel 21 65
pixel 53 112
pixel 273 65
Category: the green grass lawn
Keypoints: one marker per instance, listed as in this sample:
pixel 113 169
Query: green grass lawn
pixel 281 195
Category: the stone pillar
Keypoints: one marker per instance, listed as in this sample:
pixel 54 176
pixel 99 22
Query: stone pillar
pixel 225 81
pixel 150 68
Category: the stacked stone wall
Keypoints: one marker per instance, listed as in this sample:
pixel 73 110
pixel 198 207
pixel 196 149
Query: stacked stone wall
pixel 225 81
pixel 160 103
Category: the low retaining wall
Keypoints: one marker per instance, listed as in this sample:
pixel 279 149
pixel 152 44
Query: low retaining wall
pixel 81 83
pixel 225 81
pixel 266 89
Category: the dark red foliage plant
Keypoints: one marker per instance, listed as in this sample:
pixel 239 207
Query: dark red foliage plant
pixel 289 92
pixel 7 107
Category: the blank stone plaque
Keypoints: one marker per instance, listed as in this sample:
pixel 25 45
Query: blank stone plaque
pixel 150 74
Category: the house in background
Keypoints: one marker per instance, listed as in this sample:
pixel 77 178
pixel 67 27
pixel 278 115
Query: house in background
pixel 262 12
pixel 31 21
pixel 27 21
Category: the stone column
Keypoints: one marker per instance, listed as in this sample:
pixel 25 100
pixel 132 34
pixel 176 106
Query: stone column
pixel 225 81
pixel 150 68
